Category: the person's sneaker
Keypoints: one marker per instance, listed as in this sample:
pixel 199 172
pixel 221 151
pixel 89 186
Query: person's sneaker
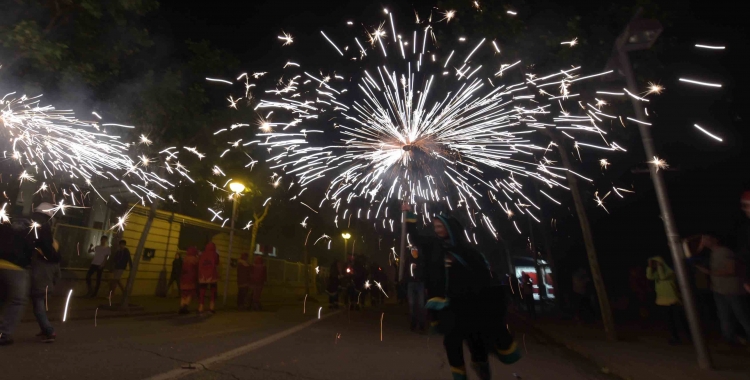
pixel 5 340
pixel 41 334
pixel 49 338
pixel 183 311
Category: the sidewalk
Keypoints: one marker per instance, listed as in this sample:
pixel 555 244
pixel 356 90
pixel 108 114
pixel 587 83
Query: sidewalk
pixel 90 308
pixel 642 354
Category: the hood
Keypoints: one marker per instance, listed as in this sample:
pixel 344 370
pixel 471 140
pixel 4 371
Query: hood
pixel 258 260
pixel 454 228
pixel 661 260
pixel 192 251
pixel 210 248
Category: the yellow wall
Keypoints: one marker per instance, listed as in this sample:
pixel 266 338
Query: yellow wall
pixel 159 238
pixel 284 278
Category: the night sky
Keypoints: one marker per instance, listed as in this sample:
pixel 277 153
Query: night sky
pixel 705 177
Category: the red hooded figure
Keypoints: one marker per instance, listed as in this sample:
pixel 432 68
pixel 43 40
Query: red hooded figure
pixel 208 276
pixel 209 265
pixel 188 278
pixel 258 276
pixel 243 280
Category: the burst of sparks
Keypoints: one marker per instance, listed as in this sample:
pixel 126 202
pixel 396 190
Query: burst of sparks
pixel 659 163
pixel 654 88
pixel 572 42
pixel 448 15
pixel 145 141
pixel 415 130
pixel 287 38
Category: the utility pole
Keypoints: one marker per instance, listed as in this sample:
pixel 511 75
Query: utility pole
pixel 673 237
pixel 235 205
pixel 402 248
pixel 588 239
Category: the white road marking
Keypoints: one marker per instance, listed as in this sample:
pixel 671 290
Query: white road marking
pixel 205 363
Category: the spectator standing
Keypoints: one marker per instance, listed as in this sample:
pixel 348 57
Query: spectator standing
pixel 174 277
pixel 188 279
pixel 258 277
pixel 101 253
pixel 581 302
pixel 415 291
pixel 15 255
pixel 243 281
pixel 45 269
pixel 121 260
pixel 726 283
pixel 333 285
pixel 667 297
pixel 208 277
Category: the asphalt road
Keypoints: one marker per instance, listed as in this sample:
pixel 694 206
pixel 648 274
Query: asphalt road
pixel 276 345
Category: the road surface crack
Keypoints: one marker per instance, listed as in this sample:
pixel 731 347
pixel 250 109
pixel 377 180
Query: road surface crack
pixel 183 361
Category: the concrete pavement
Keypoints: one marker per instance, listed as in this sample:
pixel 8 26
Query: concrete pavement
pixel 343 346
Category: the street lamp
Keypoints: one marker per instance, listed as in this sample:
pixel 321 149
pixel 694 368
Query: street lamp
pixel 641 34
pixel 346 237
pixel 237 188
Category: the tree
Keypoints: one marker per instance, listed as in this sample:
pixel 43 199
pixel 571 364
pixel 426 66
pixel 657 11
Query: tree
pixel 257 221
pixel 60 43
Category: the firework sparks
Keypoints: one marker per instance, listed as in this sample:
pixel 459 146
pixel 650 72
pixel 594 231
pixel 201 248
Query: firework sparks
pixel 707 84
pixel 572 42
pixel 400 131
pixel 67 302
pixel 712 47
pixel 448 16
pixel 287 38
pixel 659 163
pixel 654 88
pixel 709 134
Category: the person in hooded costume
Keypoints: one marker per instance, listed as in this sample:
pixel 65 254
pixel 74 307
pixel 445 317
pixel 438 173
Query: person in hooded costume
pixel 188 279
pixel 208 277
pixel 465 299
pixel 258 277
pixel 243 281
pixel 668 297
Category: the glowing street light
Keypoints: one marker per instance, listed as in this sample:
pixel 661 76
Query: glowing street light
pixel 236 188
pixel 346 237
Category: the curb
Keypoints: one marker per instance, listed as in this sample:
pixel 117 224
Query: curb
pixel 603 366
pixel 131 314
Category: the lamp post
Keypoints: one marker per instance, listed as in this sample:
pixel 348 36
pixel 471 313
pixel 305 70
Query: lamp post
pixel 236 188
pixel 346 237
pixel 641 34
